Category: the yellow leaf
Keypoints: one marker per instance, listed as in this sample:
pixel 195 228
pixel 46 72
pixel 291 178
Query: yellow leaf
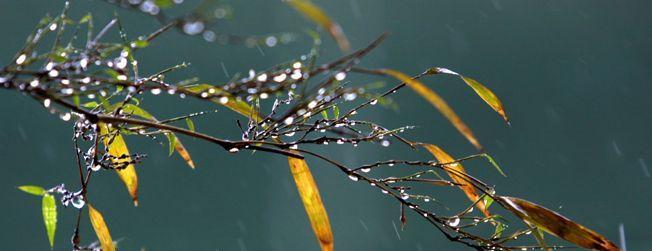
pixel 183 152
pixel 487 95
pixel 101 230
pixel 557 225
pixel 118 147
pixel 457 173
pixel 312 202
pixel 438 103
pixel 313 12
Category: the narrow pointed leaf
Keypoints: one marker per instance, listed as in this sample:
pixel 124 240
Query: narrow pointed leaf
pixel 181 150
pixel 438 103
pixel 118 147
pixel 312 202
pixel 558 225
pixel 101 230
pixel 49 208
pixel 456 172
pixel 34 190
pixel 191 125
pixel 314 13
pixel 485 93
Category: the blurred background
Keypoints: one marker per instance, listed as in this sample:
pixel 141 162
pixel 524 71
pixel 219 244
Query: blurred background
pixel 574 77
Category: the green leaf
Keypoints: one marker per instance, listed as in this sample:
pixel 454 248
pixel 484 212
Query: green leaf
pixel 86 18
pixel 91 105
pixel 324 114
pixel 500 227
pixel 487 200
pixel 49 208
pixel 494 163
pixel 336 112
pixel 139 44
pixel 163 3
pixel 191 125
pixel 34 190
pixel 172 140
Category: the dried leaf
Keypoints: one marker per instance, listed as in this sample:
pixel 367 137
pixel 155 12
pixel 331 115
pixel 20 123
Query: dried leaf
pixel 457 173
pixel 49 208
pixel 181 150
pixel 101 230
pixel 438 103
pixel 118 147
pixel 557 225
pixel 34 190
pixel 314 13
pixel 312 202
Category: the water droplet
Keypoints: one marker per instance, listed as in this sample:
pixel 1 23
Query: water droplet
pixel 156 91
pixel 288 120
pixel 280 78
pixel 294 147
pixel 53 26
pixel 271 41
pixel 66 116
pixel 353 177
pixel 53 73
pixel 209 36
pixel 405 196
pixel 390 164
pixel 454 222
pixel 290 134
pixel 339 142
pixel 204 94
pixel 426 199
pixel 296 65
pixel 374 102
pixel 365 170
pixel 224 100
pixel 120 63
pixel 193 28
pixel 21 59
pixel 78 201
pixel 264 95
pixel 234 150
pixel 340 76
pixel 47 102
pixel 385 143
pixel 95 168
pixel 262 77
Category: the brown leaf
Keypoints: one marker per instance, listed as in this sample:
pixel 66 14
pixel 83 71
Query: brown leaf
pixel 312 202
pixel 313 12
pixel 558 225
pixel 438 103
pixel 118 147
pixel 457 173
pixel 183 153
pixel 101 230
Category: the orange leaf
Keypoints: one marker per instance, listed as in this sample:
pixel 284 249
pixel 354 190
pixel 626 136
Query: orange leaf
pixel 101 230
pixel 438 103
pixel 457 173
pixel 118 147
pixel 558 225
pixel 312 202
pixel 311 11
pixel 183 152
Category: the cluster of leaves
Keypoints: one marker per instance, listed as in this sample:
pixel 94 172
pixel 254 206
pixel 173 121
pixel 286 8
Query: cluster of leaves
pixel 97 86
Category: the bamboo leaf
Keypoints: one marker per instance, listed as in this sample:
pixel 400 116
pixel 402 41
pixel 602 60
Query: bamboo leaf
pixel 556 224
pixel 314 13
pixel 485 93
pixel 118 147
pixel 34 190
pixel 191 125
pixel 312 203
pixel 458 175
pixel 49 208
pixel 101 230
pixel 438 103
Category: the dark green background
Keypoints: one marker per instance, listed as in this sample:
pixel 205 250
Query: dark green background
pixel 574 76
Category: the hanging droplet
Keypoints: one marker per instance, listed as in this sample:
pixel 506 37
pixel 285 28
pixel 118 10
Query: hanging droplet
pixel 353 177
pixel 156 91
pixel 95 168
pixel 21 59
pixel 224 100
pixel 78 201
pixel 47 102
pixel 405 196
pixel 365 170
pixel 374 102
pixel 454 222
pixel 66 116
pixel 288 120
pixel 234 150
pixel 340 76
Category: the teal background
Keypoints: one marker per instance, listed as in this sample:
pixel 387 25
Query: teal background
pixel 574 76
